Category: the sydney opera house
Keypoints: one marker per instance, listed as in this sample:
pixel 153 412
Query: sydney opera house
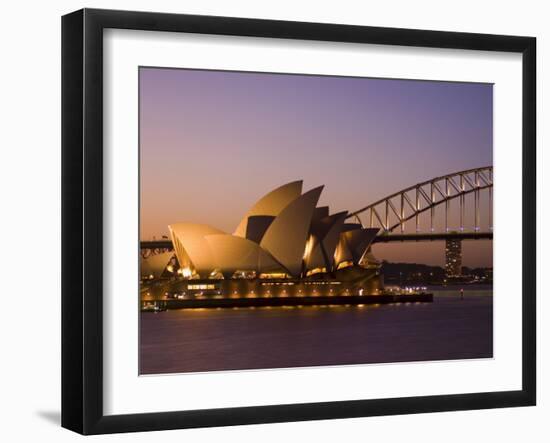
pixel 286 245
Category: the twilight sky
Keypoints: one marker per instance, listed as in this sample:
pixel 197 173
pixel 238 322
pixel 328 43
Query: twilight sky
pixel 213 142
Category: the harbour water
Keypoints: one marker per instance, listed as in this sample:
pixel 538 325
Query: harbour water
pixel 197 340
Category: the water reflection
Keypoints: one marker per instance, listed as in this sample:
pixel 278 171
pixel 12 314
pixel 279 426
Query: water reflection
pixel 193 340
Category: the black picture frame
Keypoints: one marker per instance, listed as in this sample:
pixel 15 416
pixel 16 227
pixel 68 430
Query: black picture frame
pixel 82 215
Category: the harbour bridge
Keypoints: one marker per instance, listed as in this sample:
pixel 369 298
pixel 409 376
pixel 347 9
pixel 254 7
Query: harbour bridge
pixel 448 208
pixel 411 214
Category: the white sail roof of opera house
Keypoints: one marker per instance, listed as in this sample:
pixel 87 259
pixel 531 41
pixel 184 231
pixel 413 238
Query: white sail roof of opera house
pixel 283 233
pixel 271 204
pixel 325 235
pixel 354 244
pixel 156 264
pixel 192 249
pixel 232 253
pixel 287 235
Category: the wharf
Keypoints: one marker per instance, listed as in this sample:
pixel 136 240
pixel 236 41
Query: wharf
pixel 246 302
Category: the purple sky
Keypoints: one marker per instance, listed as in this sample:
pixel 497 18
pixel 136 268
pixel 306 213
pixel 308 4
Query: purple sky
pixel 213 142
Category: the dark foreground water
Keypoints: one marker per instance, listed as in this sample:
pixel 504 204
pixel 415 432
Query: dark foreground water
pixel 224 339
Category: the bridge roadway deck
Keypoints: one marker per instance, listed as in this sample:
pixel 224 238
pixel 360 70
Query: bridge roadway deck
pixel 167 244
pixel 429 236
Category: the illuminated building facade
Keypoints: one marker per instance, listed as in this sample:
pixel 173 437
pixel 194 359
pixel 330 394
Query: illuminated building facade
pixel 284 245
pixel 453 258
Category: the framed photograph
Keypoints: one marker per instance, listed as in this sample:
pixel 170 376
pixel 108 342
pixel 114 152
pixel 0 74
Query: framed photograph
pixel 269 221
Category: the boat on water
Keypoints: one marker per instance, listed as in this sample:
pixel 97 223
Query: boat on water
pixel 152 307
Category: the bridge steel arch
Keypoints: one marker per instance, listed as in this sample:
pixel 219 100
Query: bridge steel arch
pixel 409 203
